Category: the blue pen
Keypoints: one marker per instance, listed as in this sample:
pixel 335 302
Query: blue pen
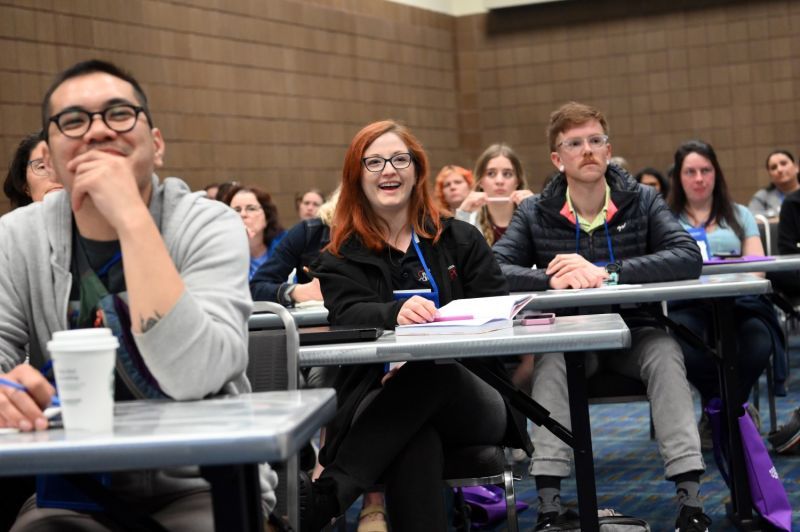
pixel 54 401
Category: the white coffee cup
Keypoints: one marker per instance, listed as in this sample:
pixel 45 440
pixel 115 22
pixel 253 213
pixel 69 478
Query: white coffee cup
pixel 83 363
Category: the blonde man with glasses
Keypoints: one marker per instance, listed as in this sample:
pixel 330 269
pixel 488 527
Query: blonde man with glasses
pixel 593 224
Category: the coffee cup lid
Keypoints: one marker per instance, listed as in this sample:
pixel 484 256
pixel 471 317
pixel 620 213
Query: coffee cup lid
pixel 99 332
pixel 83 344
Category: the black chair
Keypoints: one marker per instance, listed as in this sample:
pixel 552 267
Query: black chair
pixel 606 387
pixel 480 465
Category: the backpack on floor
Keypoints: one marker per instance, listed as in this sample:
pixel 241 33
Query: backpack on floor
pixel 610 521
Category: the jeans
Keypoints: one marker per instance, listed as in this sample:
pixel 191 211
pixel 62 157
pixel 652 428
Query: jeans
pixel 402 436
pixel 754 341
pixel 657 360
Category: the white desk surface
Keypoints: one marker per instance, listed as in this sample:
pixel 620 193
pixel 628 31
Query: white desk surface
pixel 781 263
pixel 707 286
pixel 249 428
pixel 303 317
pixel 723 285
pixel 570 333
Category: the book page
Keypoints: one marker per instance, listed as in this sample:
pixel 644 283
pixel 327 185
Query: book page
pixel 484 308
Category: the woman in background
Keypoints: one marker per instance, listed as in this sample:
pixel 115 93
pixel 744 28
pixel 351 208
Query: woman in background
pixel 451 187
pixel 309 203
pixel 387 236
pixel 703 204
pixel 501 186
pixel 654 178
pixel 783 175
pixel 260 217
pixel 29 177
pixel 297 251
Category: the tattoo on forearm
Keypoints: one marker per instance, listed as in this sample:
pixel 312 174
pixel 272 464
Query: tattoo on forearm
pixel 149 323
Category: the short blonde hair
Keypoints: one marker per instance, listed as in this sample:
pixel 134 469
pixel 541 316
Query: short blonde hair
pixel 569 115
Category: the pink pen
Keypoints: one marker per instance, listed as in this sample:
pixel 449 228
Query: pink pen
pixel 454 318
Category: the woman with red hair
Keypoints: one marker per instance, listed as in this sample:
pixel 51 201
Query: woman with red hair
pixel 452 185
pixel 395 426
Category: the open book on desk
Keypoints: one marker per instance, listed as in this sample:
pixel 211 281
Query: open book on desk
pixel 485 314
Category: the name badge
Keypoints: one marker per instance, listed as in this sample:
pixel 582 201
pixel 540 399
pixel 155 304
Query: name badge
pixel 699 236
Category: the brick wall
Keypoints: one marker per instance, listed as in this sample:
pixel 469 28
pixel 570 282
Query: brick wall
pixel 265 92
pixel 271 92
pixel 662 71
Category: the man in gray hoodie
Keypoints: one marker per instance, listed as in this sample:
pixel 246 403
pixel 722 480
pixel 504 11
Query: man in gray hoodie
pixel 173 261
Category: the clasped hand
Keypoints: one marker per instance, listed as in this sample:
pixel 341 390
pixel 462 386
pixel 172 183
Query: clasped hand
pixel 108 179
pixel 573 271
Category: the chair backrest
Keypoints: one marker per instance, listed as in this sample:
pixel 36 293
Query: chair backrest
pixel 273 365
pixel 273 354
pixel 768 233
pixel 610 387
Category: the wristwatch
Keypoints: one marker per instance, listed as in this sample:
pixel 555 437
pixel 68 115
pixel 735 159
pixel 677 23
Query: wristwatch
pixel 613 269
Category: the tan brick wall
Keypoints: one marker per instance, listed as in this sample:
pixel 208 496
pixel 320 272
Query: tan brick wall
pixel 270 92
pixel 265 92
pixel 662 71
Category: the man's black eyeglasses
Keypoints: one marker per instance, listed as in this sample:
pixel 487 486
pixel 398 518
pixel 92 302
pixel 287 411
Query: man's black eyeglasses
pixel 74 123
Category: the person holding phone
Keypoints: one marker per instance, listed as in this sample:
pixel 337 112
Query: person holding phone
pixel 394 426
pixel 701 201
pixel 500 188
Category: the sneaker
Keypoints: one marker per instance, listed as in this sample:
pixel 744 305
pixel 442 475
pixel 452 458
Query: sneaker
pixel 568 519
pixel 787 436
pixel 692 519
pixel 704 429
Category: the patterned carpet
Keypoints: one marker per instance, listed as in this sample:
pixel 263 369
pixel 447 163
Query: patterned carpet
pixel 629 470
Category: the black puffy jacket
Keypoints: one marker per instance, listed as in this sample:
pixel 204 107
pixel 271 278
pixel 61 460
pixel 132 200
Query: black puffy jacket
pixel 646 238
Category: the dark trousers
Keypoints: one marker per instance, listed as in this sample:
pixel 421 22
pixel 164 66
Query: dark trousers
pixel 401 437
pixel 13 492
pixel 754 341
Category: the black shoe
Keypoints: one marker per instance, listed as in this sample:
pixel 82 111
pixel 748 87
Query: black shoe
pixel 692 519
pixel 787 436
pixel 556 521
pixel 318 503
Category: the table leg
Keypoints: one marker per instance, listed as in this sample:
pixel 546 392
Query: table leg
pixel 236 496
pixel 581 431
pixel 581 441
pixel 741 511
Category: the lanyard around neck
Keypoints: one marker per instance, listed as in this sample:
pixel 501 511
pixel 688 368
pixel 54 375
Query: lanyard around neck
pixel 578 238
pixel 415 242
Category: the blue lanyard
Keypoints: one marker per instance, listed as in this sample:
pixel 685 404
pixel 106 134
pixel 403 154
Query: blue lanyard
pixel 578 238
pixel 434 288
pixel 110 264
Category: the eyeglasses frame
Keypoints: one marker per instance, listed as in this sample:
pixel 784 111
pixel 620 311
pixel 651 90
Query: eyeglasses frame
pixel 137 109
pixel 389 160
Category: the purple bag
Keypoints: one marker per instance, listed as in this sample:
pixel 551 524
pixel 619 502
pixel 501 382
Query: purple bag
pixel 487 505
pixel 766 489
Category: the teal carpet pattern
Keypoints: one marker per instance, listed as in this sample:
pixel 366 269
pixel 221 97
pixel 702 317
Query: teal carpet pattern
pixel 629 470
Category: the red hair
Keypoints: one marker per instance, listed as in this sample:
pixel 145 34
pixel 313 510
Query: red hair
pixel 438 187
pixel 354 215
